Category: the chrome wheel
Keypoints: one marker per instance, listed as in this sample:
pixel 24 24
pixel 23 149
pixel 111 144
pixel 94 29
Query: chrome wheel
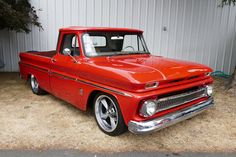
pixel 106 113
pixel 34 83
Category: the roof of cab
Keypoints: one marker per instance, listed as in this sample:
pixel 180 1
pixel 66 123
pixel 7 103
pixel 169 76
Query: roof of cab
pixel 85 29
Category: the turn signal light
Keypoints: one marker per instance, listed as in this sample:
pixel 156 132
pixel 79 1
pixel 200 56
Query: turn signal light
pixel 151 85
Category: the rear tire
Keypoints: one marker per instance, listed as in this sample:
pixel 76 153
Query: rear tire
pixel 108 115
pixel 35 86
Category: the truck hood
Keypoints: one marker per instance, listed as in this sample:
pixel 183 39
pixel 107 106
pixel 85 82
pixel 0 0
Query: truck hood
pixel 134 71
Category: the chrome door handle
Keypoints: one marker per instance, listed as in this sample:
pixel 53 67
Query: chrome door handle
pixel 53 60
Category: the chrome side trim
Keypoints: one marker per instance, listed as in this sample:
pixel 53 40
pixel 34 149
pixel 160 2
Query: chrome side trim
pixel 88 83
pixel 75 79
pixel 114 91
pixel 63 76
pixel 170 119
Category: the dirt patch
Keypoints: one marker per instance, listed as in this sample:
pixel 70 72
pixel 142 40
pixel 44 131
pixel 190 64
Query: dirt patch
pixel 28 121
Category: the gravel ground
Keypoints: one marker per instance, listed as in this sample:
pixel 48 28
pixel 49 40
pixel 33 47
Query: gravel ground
pixel 28 121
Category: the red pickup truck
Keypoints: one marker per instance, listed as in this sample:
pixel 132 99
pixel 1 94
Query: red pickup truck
pixel 111 71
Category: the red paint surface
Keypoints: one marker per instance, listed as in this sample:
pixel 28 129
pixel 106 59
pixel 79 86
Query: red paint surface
pixel 127 74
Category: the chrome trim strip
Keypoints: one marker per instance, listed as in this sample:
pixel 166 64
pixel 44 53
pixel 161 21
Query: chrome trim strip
pixel 75 79
pixel 121 93
pixel 88 83
pixel 170 119
pixel 63 76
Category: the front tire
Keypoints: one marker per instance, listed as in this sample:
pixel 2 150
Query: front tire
pixel 108 115
pixel 35 86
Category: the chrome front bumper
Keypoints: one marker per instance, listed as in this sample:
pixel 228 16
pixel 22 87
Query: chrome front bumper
pixel 170 119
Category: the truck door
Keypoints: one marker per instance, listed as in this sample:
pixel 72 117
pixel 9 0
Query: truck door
pixel 64 71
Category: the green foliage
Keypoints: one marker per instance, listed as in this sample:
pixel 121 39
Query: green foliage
pixel 17 15
pixel 227 2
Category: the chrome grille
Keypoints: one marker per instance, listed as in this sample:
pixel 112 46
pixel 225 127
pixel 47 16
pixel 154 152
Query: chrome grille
pixel 180 99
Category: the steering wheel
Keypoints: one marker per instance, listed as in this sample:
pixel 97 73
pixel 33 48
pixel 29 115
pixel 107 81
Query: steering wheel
pixel 128 47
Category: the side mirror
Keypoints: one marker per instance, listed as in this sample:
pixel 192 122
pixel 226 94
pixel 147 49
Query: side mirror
pixel 66 52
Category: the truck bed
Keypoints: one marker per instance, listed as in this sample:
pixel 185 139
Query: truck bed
pixel 37 63
pixel 49 54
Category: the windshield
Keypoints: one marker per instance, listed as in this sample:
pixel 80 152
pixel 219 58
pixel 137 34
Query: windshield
pixel 113 43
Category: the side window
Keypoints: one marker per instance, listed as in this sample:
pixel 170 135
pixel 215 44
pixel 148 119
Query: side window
pixel 70 41
pixel 75 42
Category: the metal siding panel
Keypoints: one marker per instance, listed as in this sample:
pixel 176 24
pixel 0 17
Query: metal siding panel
pixel 43 19
pixel 113 13
pixel 150 24
pixel 233 59
pixel 143 16
pixel 198 31
pixel 82 12
pixel 202 31
pixel 165 23
pixel 90 13
pixel 97 13
pixel 210 33
pixel 190 24
pixel 179 29
pixel 121 13
pixel 182 45
pixel 105 13
pixel 136 14
pixel 226 42
pixel 1 52
pixel 10 50
pixel 160 29
pixel 59 22
pixel 233 48
pixel 13 47
pixel 74 12
pixel 207 44
pixel 128 13
pixel 168 30
pixel 228 64
pixel 216 34
pixel 222 32
pixel 172 28
pixel 6 52
pixel 51 25
pixel 67 13
pixel 197 52
pixel 212 29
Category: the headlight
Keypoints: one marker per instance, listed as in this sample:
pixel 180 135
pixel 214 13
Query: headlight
pixel 209 90
pixel 148 108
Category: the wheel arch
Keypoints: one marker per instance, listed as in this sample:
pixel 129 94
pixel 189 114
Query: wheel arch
pixel 28 77
pixel 89 104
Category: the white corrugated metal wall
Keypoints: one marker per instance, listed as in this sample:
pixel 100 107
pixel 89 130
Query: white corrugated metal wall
pixel 196 30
